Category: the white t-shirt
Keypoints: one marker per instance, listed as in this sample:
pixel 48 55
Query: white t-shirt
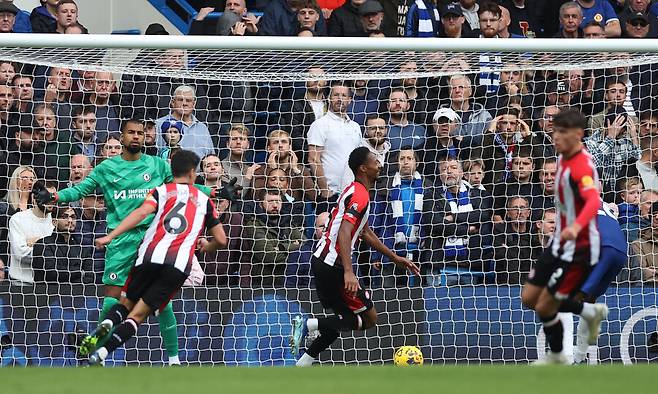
pixel 318 108
pixel 338 137
pixel 23 226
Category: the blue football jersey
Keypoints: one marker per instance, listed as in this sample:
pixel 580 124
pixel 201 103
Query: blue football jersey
pixel 611 234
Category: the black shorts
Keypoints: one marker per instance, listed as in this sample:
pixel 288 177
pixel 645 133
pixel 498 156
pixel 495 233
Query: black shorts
pixel 562 279
pixel 330 287
pixel 156 284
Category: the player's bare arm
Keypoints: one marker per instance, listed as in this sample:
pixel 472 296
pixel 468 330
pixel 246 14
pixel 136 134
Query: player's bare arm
pixel 219 240
pixel 132 220
pixel 344 242
pixel 371 238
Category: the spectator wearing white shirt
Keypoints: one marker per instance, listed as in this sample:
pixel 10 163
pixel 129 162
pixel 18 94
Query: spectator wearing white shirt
pixel 25 229
pixel 331 139
pixel 195 136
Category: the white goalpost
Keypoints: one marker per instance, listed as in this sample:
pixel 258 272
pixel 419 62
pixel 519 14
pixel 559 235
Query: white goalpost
pixel 464 309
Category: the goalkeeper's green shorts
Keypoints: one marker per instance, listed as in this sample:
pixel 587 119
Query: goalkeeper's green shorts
pixel 120 256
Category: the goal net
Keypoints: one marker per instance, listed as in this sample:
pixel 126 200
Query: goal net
pixel 463 134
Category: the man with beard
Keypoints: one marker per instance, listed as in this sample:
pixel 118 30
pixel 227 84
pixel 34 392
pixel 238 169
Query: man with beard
pixel 453 23
pixel 402 132
pixel 125 181
pixel 376 138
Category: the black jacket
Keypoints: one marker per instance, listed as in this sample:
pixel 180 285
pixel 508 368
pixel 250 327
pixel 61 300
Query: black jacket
pixel 57 260
pixel 345 22
pixel 515 253
pixel 439 223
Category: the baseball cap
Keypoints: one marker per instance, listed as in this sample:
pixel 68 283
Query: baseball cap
pixel 370 7
pixel 8 7
pixel 156 29
pixel 638 16
pixel 452 9
pixel 447 113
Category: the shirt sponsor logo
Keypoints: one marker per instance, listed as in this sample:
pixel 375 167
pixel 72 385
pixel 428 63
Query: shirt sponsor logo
pixel 131 194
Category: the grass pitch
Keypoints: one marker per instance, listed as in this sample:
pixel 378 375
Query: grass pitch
pixel 493 379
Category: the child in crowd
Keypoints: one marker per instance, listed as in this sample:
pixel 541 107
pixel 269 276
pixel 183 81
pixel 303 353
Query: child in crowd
pixel 172 132
pixel 474 173
pixel 629 209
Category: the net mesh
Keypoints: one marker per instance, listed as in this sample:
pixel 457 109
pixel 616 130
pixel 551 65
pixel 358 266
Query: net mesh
pixel 264 114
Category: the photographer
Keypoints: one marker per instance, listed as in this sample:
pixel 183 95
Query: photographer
pixel 613 146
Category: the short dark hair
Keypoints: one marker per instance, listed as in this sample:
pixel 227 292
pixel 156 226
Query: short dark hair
pixel 508 111
pixel 183 161
pixel 648 115
pixel 19 76
pixel 617 80
pixel 370 117
pixel 82 110
pixel 126 122
pixel 524 152
pixel 62 2
pixel 268 192
pixel 488 6
pixel 569 118
pixel 593 23
pixel 411 148
pixel 549 160
pixel 358 157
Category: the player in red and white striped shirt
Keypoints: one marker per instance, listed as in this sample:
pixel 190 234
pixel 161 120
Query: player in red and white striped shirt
pixel 336 285
pixel 182 213
pixel 576 245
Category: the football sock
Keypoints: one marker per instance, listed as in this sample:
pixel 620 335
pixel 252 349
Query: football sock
pixel 580 351
pixel 108 303
pixel 121 335
pixel 312 324
pixel 589 311
pixel 346 322
pixel 554 332
pixel 117 314
pixel 305 361
pixel 571 306
pixel 326 338
pixel 174 360
pixel 169 330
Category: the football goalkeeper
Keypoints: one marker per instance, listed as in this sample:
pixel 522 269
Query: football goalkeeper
pixel 126 180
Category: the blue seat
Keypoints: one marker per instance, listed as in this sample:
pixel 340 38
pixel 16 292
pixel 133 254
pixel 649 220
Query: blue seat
pixel 476 277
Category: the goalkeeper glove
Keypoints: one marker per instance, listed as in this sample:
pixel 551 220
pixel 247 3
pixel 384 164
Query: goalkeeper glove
pixel 41 195
pixel 229 191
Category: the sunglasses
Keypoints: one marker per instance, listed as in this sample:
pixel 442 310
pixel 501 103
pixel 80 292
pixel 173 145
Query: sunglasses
pixel 639 23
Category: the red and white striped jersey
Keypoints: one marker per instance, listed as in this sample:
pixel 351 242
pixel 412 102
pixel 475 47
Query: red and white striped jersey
pixel 353 206
pixel 183 212
pixel 577 199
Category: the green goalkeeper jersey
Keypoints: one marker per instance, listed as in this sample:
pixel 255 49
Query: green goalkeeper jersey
pixel 125 185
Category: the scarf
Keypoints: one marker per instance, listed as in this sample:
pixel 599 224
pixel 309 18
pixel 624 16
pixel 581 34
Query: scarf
pixel 456 246
pixel 425 20
pixel 508 150
pixel 407 223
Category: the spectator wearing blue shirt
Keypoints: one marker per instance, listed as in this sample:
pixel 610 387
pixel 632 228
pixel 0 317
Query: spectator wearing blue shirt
pixel 402 132
pixel 195 135
pixel 8 16
pixel 22 22
pixel 602 12
pixel 629 209
pixel 364 102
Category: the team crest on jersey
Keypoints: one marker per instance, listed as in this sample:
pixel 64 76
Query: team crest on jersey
pixel 147 177
pixel 587 181
pixel 598 18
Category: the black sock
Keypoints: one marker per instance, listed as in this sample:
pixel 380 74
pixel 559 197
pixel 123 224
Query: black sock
pixel 121 335
pixel 346 322
pixel 117 314
pixel 326 338
pixel 571 306
pixel 554 332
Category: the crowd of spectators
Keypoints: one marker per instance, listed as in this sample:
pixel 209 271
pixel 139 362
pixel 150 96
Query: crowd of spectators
pixel 468 165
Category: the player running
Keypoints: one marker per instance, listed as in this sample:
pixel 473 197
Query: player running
pixel 125 180
pixel 576 243
pixel 165 256
pixel 335 282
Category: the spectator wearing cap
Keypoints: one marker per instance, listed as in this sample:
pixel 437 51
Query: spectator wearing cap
pixel 470 10
pixel 634 7
pixel 571 16
pixel 402 132
pixel 8 13
pixel 194 134
pixel 22 20
pixel 372 17
pixel 156 29
pixel 280 19
pixel 345 21
pixel 171 132
pixel 474 118
pixel 43 18
pixel 612 146
pixel 423 20
pixel 443 142
pixel 26 148
pixel 639 25
pixel 602 12
pixel 453 23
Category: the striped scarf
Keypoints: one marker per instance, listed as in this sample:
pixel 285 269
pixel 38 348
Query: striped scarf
pixel 407 222
pixel 425 20
pixel 457 246
pixel 508 150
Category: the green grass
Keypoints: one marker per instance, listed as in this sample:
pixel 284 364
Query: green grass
pixel 495 379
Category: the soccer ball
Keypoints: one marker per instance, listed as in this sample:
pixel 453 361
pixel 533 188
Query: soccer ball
pixel 408 355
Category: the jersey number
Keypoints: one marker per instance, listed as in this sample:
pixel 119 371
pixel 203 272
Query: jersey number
pixel 174 222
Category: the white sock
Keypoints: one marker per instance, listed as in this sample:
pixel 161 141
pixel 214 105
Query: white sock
pixel 173 360
pixel 108 322
pixel 312 324
pixel 580 351
pixel 305 360
pixel 589 311
pixel 102 353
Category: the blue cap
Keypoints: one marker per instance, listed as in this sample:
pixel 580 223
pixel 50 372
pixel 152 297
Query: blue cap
pixel 172 123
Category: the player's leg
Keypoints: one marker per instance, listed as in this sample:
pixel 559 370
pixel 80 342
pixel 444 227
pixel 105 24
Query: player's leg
pixel 169 332
pixel 547 307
